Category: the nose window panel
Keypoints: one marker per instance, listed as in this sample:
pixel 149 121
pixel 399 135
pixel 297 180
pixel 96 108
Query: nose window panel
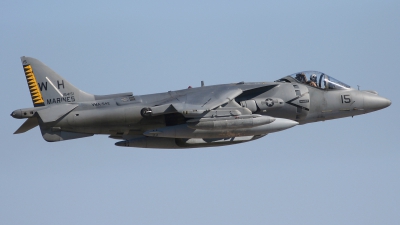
pixel 336 84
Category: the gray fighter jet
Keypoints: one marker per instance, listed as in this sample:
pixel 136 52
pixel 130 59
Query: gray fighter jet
pixel 205 116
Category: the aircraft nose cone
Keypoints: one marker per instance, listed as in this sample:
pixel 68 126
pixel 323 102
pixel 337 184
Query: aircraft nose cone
pixel 375 102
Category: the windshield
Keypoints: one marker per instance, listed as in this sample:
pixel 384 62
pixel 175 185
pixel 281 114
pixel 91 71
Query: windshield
pixel 319 80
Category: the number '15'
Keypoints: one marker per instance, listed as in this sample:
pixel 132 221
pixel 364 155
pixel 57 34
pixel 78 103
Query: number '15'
pixel 345 98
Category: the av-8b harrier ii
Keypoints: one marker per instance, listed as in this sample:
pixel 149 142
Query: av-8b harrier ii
pixel 205 116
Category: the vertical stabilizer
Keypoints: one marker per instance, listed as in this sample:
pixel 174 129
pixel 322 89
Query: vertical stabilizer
pixel 47 87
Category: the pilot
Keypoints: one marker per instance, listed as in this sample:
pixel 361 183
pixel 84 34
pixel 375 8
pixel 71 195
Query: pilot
pixel 301 77
pixel 313 80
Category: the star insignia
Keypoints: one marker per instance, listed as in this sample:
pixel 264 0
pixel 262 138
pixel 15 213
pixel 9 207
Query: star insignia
pixel 269 102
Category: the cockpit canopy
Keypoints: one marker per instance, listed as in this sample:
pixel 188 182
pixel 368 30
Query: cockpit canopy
pixel 315 79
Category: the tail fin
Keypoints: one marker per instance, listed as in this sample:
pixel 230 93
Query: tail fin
pixel 47 87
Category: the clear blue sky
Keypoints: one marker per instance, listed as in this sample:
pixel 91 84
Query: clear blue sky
pixel 335 172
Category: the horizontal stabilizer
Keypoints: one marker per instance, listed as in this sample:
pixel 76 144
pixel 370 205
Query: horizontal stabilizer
pixel 55 112
pixel 27 125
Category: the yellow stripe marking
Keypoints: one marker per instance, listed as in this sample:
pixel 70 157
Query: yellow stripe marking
pixel 33 85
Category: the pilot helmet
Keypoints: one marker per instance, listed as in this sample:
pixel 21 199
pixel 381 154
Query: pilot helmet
pixel 313 78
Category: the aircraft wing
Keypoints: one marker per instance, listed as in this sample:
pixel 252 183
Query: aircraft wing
pixel 204 100
pixel 211 99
